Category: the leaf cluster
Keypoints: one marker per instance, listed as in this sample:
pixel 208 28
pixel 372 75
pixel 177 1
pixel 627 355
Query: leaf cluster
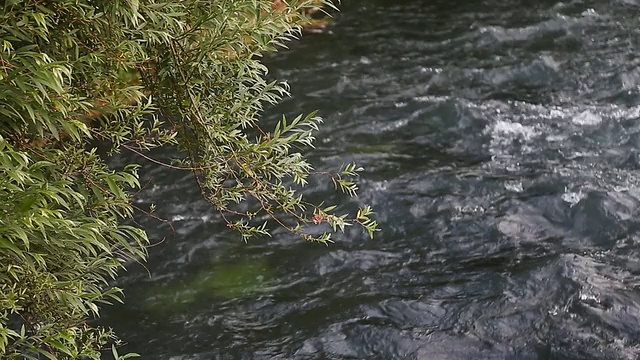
pixel 60 244
pixel 133 75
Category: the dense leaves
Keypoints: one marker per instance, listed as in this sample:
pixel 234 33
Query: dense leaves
pixel 134 75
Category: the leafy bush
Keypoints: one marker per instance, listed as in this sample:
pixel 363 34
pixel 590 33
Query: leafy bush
pixel 134 75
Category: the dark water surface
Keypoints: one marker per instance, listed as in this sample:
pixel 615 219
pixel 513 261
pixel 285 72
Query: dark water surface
pixel 501 141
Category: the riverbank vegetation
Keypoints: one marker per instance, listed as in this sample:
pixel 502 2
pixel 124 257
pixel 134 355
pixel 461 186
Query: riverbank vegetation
pixel 134 75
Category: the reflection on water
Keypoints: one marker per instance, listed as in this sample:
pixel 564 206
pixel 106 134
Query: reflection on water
pixel 500 140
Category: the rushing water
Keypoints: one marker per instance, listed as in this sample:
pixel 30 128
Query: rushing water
pixel 501 141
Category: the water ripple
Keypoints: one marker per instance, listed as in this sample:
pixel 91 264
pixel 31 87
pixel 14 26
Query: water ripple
pixel 501 146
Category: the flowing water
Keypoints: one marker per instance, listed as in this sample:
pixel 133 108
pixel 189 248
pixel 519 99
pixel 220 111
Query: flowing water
pixel 501 141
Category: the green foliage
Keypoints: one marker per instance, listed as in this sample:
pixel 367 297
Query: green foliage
pixel 60 244
pixel 134 75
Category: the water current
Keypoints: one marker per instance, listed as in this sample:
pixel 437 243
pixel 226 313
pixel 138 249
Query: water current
pixel 501 142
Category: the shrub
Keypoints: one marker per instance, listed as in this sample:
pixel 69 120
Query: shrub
pixel 134 75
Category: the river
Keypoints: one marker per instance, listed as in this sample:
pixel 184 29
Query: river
pixel 501 146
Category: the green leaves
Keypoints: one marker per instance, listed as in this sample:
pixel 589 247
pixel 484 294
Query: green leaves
pixel 58 250
pixel 240 165
pixel 134 75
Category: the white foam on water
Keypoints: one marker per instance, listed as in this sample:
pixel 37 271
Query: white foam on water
pixel 509 130
pixel 400 104
pixel 365 60
pixel 432 98
pixel 590 12
pixel 514 185
pixel 504 134
pixel 549 62
pixel 572 198
pixel 587 118
pixel 556 138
